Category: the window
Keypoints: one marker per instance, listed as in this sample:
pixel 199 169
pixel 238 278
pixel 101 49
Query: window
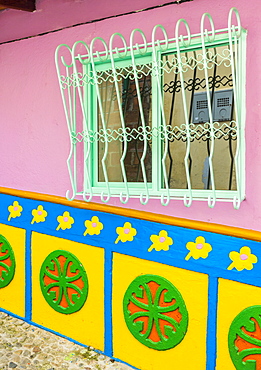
pixel 161 119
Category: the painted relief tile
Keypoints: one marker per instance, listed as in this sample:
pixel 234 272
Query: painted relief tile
pixel 65 221
pixel 93 226
pixel 39 214
pixel 160 242
pixel 15 210
pixel 125 233
pixel 198 249
pixel 242 260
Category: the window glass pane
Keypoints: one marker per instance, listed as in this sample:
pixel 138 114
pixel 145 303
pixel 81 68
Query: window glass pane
pixel 221 93
pixel 132 125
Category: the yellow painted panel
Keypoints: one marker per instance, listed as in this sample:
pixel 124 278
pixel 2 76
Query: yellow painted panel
pixel 12 297
pixel 190 354
pixel 233 297
pixel 86 325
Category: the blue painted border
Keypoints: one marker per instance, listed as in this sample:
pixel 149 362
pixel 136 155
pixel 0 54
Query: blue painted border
pixel 28 276
pixel 212 323
pixel 108 349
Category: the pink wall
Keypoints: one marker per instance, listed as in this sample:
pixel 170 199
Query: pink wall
pixel 56 14
pixel 34 140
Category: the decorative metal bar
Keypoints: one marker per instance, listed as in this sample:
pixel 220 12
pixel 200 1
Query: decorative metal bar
pixel 126 72
pixel 195 83
pixel 234 34
pixel 181 42
pixel 122 55
pixel 66 93
pixel 170 122
pixel 197 132
pixel 103 161
pixel 191 108
pixel 142 52
pixel 231 163
pixel 212 88
pixel 142 90
pixel 87 188
pixel 206 38
pixel 156 46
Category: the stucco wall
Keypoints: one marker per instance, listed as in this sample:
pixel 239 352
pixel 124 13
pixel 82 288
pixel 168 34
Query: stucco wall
pixel 34 139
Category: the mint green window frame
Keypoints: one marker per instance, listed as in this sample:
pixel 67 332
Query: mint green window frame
pixel 78 82
pixel 91 101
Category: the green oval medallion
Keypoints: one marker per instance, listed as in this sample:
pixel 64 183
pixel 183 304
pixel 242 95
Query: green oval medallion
pixel 155 312
pixel 244 339
pixel 7 262
pixel 64 282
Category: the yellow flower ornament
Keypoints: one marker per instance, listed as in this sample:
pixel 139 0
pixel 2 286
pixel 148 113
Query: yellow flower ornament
pixel 15 210
pixel 65 221
pixel 125 233
pixel 198 249
pixel 39 215
pixel 160 242
pixel 93 226
pixel 242 260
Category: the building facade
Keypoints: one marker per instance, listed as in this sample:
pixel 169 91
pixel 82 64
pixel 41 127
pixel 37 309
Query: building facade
pixel 130 179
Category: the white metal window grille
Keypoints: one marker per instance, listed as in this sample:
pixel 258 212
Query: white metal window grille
pixel 160 119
